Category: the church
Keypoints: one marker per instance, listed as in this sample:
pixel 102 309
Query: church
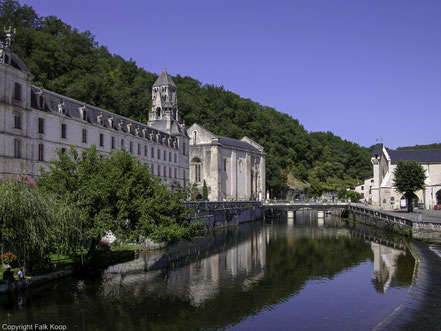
pixel 384 162
pixel 35 123
pixel 232 169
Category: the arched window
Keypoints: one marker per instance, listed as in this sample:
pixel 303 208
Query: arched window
pixel 195 137
pixel 198 172
pixel 197 167
pixel 240 165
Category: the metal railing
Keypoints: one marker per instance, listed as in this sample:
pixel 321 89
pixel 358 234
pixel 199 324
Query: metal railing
pixel 223 204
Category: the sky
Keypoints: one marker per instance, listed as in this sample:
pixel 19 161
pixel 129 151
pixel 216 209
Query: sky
pixel 367 70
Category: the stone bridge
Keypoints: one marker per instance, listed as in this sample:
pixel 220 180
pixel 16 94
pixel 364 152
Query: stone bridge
pixel 273 207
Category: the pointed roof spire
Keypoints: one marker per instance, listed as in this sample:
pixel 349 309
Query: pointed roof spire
pixel 164 79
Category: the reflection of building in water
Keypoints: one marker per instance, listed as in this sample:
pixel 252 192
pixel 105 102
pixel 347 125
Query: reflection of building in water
pixel 201 280
pixel 385 265
pixel 242 264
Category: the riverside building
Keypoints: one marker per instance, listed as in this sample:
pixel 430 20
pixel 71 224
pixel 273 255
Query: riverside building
pixel 384 162
pixel 231 169
pixel 36 122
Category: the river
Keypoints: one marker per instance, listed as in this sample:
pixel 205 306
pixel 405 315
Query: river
pixel 286 274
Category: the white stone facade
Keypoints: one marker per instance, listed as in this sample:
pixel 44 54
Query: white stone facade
pixel 35 122
pixel 384 163
pixel 365 189
pixel 232 169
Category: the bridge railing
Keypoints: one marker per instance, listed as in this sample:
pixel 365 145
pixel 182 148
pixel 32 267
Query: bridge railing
pixel 223 204
pixel 310 203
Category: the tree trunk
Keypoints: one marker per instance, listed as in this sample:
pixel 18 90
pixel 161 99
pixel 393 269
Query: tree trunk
pixel 410 204
pixel 92 247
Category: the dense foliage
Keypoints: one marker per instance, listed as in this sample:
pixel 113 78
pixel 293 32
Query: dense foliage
pixel 119 194
pixel 430 146
pixel 70 62
pixel 409 177
pixel 34 223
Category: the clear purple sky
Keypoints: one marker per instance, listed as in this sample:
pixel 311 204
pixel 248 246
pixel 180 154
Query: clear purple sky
pixel 365 69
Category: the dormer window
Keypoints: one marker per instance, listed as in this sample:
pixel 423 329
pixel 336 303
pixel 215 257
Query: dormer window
pixel 144 133
pixel 62 108
pixel 99 119
pixel 137 131
pixel 129 128
pixel 110 121
pixel 83 112
pixel 120 125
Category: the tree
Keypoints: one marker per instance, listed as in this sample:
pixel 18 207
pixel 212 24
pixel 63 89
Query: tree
pixel 34 223
pixel 409 177
pixel 118 193
pixel 205 191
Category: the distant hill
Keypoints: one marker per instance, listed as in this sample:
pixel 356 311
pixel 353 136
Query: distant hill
pixel 430 146
pixel 72 63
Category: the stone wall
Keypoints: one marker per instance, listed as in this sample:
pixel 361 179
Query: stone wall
pixel 223 214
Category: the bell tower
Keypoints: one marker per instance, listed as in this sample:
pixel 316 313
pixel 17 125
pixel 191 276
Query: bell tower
pixel 164 99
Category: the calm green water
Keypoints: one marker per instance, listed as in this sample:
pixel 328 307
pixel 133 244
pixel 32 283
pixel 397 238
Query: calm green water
pixel 285 274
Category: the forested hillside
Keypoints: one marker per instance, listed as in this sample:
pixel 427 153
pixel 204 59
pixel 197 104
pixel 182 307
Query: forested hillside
pixel 430 146
pixel 72 63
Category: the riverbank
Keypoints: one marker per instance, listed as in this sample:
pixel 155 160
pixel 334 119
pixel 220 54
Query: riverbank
pixel 7 287
pixel 106 259
pixel 421 309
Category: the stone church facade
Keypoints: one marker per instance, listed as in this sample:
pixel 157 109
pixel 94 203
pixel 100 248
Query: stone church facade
pixel 384 162
pixel 232 169
pixel 36 122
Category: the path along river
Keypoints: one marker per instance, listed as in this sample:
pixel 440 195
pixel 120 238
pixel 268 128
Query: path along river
pixel 319 274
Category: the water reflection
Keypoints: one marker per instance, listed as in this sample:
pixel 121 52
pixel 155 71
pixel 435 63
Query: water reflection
pixel 252 270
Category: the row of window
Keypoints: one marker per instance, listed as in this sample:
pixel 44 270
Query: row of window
pixel 161 169
pixel 17 125
pixel 17 150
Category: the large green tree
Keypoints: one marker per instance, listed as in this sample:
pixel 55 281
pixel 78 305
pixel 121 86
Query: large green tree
pixel 34 223
pixel 118 193
pixel 409 177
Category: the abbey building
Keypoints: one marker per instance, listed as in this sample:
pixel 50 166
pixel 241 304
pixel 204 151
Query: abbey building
pixel 36 122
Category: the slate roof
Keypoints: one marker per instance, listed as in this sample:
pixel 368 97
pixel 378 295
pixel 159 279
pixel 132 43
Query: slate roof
pixel 422 156
pixel 164 79
pixel 17 63
pixel 236 143
pixel 378 148
pixel 176 128
pixel 52 100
